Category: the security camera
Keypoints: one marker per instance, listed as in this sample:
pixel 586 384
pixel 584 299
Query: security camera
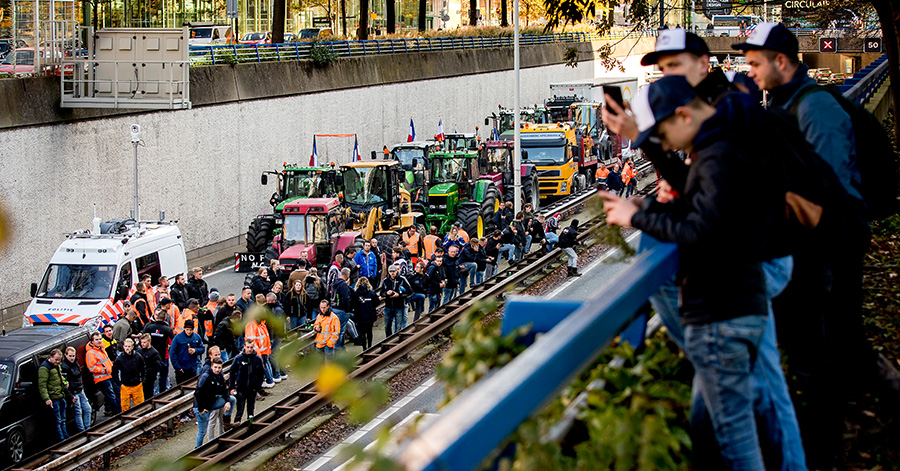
pixel 135 133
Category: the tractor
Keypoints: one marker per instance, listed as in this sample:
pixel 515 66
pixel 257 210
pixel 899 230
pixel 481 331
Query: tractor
pixel 496 162
pixel 459 193
pixel 415 159
pixel 294 183
pixel 316 226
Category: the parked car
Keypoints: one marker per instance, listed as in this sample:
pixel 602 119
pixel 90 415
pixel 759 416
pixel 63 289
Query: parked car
pixel 837 78
pixel 256 38
pixel 6 45
pixel 311 33
pixel 24 418
pixel 823 75
pixel 24 62
pixel 205 33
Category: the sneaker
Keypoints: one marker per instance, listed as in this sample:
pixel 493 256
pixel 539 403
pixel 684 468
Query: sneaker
pixel 277 379
pixel 268 385
pixel 250 419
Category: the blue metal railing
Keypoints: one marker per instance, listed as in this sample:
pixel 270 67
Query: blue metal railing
pixel 478 421
pixel 235 53
pixel 865 83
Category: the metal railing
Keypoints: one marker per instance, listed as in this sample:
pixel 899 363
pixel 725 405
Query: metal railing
pixel 860 88
pixel 150 84
pixel 478 421
pixel 236 53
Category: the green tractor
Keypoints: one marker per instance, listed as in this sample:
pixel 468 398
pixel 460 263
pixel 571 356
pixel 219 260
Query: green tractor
pixel 294 182
pixel 458 192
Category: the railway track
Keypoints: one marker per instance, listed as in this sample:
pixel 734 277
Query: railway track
pixel 239 442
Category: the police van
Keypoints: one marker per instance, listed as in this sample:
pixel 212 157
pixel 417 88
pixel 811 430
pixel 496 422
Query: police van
pixel 93 272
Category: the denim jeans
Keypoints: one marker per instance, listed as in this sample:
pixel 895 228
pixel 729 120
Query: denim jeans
pixel 203 420
pixel 276 369
pixel 528 240
pixel 552 239
pixel 327 351
pixel 394 320
pixel 83 411
pixel 489 271
pixel 161 384
pixel 434 300
pixel 225 355
pixel 417 302
pixel 111 401
pixel 723 354
pixel 59 413
pixel 573 257
pixel 297 321
pixel 267 369
pixel 449 294
pixel 507 249
pixel 342 316
pixel 469 278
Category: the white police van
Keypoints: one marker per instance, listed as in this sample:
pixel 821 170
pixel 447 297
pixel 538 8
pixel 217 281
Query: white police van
pixel 92 272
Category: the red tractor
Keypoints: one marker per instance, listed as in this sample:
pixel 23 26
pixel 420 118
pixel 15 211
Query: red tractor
pixel 315 226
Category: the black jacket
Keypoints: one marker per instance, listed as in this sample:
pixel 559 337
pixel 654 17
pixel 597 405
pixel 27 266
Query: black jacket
pixel 568 238
pixel 160 336
pixel 223 312
pixel 614 181
pixel 492 249
pixel 129 370
pixel 179 295
pixel 223 337
pixel 435 275
pixel 139 303
pixel 246 373
pixel 503 217
pixel 151 362
pixel 398 285
pixel 506 237
pixel 719 229
pixel 365 302
pixel 260 285
pixel 451 271
pixel 470 255
pixel 198 289
pixel 341 296
pixel 419 282
pixel 209 388
pixel 521 232
pixel 293 305
pixel 537 231
pixel 72 373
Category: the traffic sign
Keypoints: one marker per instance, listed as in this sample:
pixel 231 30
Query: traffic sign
pixel 872 45
pixel 249 261
pixel 827 44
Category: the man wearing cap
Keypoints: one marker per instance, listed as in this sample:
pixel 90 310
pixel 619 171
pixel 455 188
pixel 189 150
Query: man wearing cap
pixel 826 287
pixel 185 353
pixel 682 53
pixel 718 231
pixel 394 292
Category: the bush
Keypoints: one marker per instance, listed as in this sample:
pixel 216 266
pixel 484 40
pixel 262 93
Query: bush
pixel 321 54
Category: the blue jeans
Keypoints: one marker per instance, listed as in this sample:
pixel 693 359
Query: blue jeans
pixel 552 239
pixel 417 302
pixel 276 369
pixel 469 278
pixel 508 250
pixel 82 411
pixel 111 402
pixel 327 351
pixel 489 271
pixel 573 257
pixel 59 413
pixel 267 369
pixel 297 321
pixel 778 419
pixel 394 320
pixel 528 243
pixel 449 293
pixel 342 316
pixel 434 300
pixel 161 384
pixel 203 420
pixel 723 354
pixel 225 355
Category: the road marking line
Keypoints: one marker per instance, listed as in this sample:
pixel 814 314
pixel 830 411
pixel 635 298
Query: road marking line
pixel 590 267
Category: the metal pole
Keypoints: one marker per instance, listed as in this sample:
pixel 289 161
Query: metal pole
pixel 137 209
pixel 517 150
pixel 693 12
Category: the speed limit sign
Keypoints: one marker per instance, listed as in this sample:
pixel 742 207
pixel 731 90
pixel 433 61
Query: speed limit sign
pixel 872 45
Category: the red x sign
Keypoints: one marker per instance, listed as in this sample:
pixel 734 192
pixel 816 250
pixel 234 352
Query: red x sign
pixel 827 45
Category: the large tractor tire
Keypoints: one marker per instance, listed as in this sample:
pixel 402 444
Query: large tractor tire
pixel 387 242
pixel 531 191
pixel 469 218
pixel 421 230
pixel 259 234
pixel 489 206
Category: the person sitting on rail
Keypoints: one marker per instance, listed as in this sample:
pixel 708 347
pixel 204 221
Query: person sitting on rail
pixel 522 238
pixel 327 328
pixel 212 398
pixel 472 260
pixel 246 381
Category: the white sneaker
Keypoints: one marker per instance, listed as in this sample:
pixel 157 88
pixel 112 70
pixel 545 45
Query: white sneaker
pixel 277 379
pixel 268 385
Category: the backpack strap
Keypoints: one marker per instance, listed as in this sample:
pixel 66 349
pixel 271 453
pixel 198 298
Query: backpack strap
pixel 802 93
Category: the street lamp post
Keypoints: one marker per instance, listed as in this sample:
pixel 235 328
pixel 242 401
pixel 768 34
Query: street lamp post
pixel 517 116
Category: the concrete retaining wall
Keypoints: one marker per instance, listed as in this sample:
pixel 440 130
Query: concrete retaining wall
pixel 203 165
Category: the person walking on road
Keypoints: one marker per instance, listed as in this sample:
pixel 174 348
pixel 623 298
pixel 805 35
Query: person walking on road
pixel 129 371
pixel 364 308
pixel 185 352
pixel 246 381
pixel 567 241
pixel 327 328
pixel 72 372
pixel 54 391
pixel 100 366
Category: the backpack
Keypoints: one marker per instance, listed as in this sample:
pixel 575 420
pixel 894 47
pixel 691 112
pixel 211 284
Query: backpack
pixel 876 159
pixel 311 291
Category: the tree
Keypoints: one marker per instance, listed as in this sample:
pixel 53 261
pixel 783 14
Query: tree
pixel 473 12
pixel 278 21
pixel 531 10
pixel 390 16
pixel 503 21
pixel 363 33
pixel 422 5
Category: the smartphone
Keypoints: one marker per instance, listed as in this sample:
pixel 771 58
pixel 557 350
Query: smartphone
pixel 616 94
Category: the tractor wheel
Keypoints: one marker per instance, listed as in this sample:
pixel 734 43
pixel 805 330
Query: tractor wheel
pixel 421 230
pixel 489 206
pixel 259 234
pixel 271 254
pixel 387 242
pixel 531 192
pixel 469 218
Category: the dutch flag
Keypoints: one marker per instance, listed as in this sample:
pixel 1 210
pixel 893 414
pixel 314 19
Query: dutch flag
pixel 356 156
pixel 412 131
pixel 440 134
pixel 314 158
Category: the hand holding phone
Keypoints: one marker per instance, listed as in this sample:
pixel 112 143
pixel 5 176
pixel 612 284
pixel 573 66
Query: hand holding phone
pixel 615 94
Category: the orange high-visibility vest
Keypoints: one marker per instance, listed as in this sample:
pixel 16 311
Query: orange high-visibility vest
pixel 98 363
pixel 602 173
pixel 208 323
pixel 180 317
pixel 628 175
pixel 331 328
pixel 412 242
pixel 159 293
pixel 259 335
pixel 431 242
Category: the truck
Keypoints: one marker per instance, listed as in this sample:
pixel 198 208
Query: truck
pixel 564 160
pixel 93 271
pixel 591 90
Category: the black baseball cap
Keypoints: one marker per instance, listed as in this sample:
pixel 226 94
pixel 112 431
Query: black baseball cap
pixel 657 101
pixel 772 36
pixel 675 41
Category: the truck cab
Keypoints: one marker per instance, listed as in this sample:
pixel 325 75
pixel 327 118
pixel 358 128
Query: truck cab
pixel 315 226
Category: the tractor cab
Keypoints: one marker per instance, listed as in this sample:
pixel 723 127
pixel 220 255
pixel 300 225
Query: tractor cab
pixel 458 142
pixel 415 159
pixel 303 182
pixel 375 197
pixel 458 190
pixel 315 226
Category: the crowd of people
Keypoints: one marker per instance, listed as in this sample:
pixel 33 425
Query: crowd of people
pixel 756 271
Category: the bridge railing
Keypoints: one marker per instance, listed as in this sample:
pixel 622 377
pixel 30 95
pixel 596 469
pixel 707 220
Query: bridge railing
pixel 865 83
pixel 478 422
pixel 236 53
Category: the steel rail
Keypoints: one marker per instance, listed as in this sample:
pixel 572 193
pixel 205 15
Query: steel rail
pixel 238 443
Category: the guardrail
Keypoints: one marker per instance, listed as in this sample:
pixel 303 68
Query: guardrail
pixel 236 53
pixel 478 421
pixel 864 83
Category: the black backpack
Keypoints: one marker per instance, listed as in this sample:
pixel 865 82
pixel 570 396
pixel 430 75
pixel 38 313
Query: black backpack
pixel 876 158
